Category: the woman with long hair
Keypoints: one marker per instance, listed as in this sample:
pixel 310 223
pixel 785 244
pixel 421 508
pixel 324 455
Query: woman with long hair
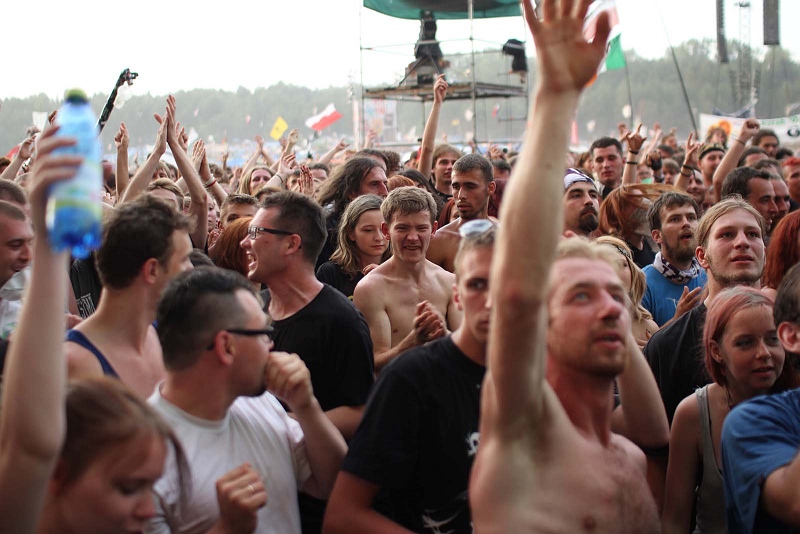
pixel 783 252
pixel 362 245
pixel 82 460
pixel 745 359
pixel 254 179
pixel 642 323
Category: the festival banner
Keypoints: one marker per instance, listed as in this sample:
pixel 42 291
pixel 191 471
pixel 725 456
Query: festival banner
pixel 786 128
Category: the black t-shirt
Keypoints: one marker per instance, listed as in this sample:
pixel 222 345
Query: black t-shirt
pixel 332 274
pixel 419 437
pixel 675 355
pixel 86 285
pixel 332 338
pixel 642 258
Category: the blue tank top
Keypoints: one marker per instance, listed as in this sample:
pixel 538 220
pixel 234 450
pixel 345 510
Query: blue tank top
pixel 77 337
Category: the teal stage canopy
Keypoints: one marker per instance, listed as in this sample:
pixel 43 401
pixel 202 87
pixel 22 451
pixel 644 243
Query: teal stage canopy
pixel 445 9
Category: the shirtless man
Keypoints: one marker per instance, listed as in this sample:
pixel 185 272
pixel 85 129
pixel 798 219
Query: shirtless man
pixel 407 301
pixel 548 460
pixel 473 185
pixel 145 245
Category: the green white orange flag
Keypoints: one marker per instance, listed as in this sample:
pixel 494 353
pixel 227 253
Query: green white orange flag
pixel 615 58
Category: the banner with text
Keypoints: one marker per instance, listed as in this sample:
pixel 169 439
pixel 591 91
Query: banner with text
pixel 787 128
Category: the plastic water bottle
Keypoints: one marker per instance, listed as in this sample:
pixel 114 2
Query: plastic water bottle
pixel 74 207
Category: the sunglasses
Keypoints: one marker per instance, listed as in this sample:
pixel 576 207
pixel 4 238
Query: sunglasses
pixel 246 332
pixel 476 227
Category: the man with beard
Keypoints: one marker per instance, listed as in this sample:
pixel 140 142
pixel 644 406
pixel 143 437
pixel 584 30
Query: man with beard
pixel 581 203
pixel 473 185
pixel 675 279
pixel 730 246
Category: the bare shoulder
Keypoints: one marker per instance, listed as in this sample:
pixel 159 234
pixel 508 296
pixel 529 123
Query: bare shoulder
pixel 627 452
pixel 441 275
pixel 81 363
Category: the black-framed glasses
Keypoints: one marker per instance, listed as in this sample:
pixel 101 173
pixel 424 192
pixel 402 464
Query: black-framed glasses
pixel 267 331
pixel 253 231
pixel 476 227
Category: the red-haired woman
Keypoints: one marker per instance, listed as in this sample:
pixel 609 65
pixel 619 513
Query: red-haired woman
pixel 745 359
pixel 783 252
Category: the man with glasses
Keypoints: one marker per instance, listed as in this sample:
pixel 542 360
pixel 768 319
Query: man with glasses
pixel 420 431
pixel 238 440
pixel 473 185
pixel 312 319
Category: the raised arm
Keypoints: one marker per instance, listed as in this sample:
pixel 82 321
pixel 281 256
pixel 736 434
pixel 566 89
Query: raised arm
pixel 32 421
pixel 522 259
pixel 634 140
pixel 209 182
pixel 25 151
pixel 144 174
pixel 330 154
pixel 749 129
pixel 196 190
pixel 689 163
pixel 257 154
pixel 121 140
pixel 425 161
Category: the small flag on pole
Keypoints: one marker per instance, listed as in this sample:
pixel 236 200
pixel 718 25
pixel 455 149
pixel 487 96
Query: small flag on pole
pixel 495 110
pixel 322 120
pixel 278 128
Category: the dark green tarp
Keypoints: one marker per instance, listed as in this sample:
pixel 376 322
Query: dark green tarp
pixel 444 9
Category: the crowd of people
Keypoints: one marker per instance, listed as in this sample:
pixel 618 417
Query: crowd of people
pixel 462 342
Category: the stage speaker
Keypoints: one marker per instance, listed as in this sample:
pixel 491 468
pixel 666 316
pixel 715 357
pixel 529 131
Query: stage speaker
pixel 772 31
pixel 722 45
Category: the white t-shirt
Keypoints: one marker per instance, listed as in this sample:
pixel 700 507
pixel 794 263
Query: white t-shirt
pixel 255 430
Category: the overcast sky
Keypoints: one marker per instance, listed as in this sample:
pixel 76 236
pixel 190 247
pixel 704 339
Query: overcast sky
pixel 174 45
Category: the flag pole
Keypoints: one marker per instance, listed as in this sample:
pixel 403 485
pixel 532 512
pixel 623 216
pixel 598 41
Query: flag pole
pixel 630 92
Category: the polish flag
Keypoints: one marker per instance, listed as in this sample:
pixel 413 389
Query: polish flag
pixel 322 120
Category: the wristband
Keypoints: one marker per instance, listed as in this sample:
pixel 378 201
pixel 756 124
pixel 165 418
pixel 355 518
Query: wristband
pixel 743 143
pixel 278 176
pixel 210 184
pixel 631 163
pixel 686 175
pixel 633 151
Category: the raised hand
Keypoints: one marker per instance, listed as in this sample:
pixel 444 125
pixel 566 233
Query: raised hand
pixel 567 62
pixel 121 139
pixel 198 153
pixel 749 129
pixel 692 151
pixel 306 182
pixel 260 141
pixel 240 494
pixel 440 88
pixel 26 148
pixel 341 145
pixel 287 163
pixel 294 135
pixel 635 139
pixel 47 170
